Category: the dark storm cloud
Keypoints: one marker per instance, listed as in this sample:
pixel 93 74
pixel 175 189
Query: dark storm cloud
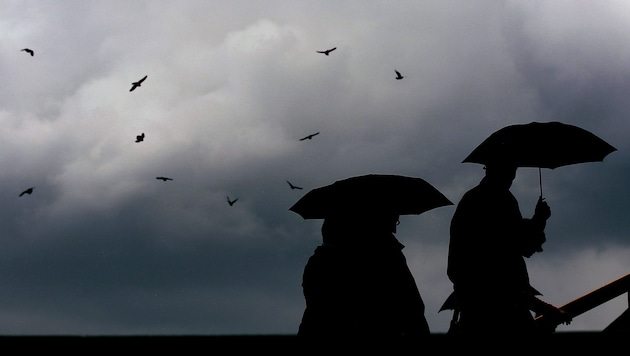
pixel 102 247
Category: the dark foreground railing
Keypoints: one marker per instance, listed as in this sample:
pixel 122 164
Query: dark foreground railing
pixel 599 296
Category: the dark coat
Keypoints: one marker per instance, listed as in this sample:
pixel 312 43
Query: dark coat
pixel 486 265
pixel 361 290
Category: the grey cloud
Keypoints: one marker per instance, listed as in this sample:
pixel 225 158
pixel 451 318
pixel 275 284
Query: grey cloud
pixel 102 247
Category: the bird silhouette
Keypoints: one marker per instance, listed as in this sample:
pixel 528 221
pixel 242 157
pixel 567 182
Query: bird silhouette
pixel 134 85
pixel 29 51
pixel 231 202
pixel 309 136
pixel 293 186
pixel 164 178
pixel 140 137
pixel 398 75
pixel 28 191
pixel 327 52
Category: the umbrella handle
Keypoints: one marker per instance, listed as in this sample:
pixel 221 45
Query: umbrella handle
pixel 540 180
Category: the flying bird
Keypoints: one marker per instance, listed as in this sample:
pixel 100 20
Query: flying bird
pixel 327 52
pixel 164 178
pixel 28 191
pixel 29 51
pixel 140 137
pixel 398 75
pixel 309 136
pixel 293 186
pixel 231 202
pixel 134 85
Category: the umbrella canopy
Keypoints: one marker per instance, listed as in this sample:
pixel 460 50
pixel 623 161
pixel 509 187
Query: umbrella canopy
pixel 542 145
pixel 370 194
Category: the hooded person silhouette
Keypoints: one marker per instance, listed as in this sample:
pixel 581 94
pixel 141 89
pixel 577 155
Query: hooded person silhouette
pixel 488 240
pixel 357 283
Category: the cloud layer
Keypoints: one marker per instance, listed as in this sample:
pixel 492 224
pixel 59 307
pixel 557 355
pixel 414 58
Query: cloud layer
pixel 102 247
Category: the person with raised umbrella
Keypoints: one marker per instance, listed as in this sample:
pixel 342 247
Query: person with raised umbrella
pixel 357 284
pixel 488 239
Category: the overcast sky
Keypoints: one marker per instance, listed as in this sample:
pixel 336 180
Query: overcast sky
pixel 101 247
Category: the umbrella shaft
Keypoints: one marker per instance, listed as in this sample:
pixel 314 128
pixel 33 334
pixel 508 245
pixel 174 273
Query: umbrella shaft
pixel 540 180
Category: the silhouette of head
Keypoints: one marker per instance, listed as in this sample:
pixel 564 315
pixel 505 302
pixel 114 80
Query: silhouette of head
pixel 501 174
pixel 358 229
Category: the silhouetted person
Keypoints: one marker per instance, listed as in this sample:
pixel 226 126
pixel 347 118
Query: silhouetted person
pixel 488 239
pixel 357 284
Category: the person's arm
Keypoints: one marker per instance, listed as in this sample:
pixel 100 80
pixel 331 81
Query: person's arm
pixel 554 316
pixel 542 212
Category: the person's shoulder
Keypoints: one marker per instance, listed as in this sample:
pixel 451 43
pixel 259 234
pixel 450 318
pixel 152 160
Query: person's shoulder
pixel 475 192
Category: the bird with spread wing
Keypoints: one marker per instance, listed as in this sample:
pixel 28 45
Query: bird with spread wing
pixel 27 191
pixel 309 136
pixel 293 186
pixel 134 85
pixel 327 52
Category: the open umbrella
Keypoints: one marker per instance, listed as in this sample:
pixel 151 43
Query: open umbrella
pixel 542 145
pixel 370 194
